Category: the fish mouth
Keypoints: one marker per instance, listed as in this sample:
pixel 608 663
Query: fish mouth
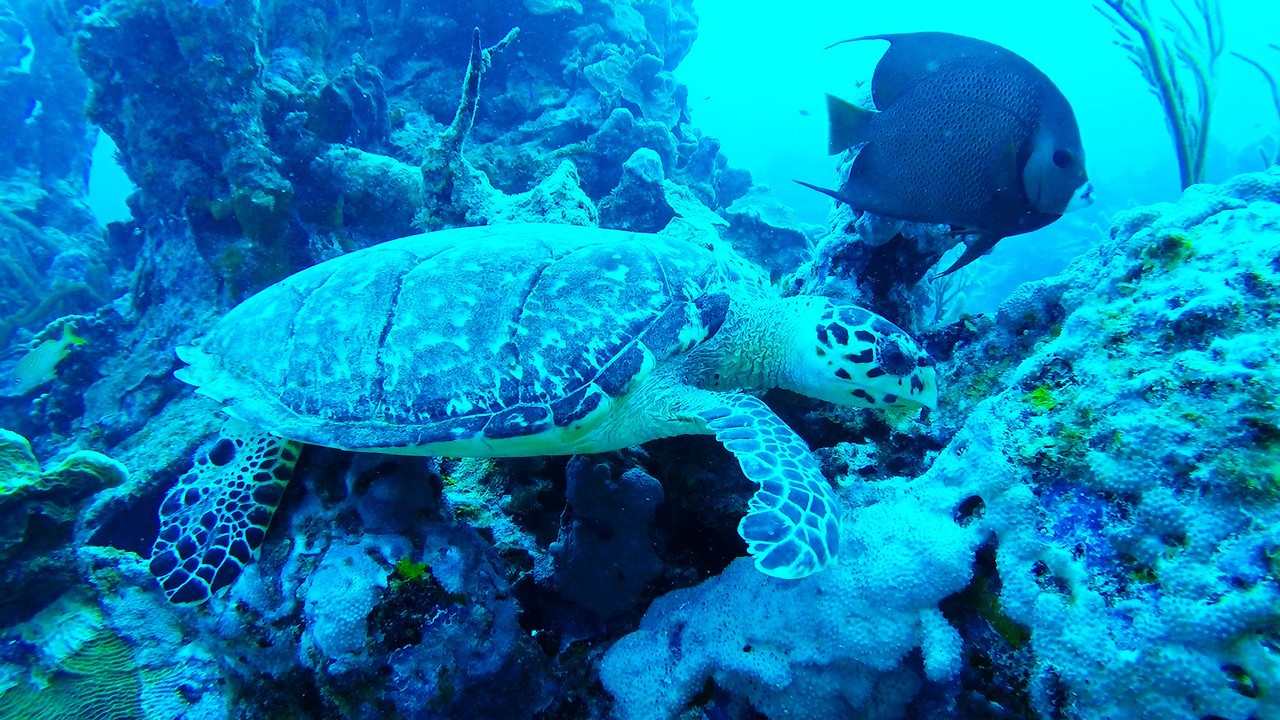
pixel 1082 198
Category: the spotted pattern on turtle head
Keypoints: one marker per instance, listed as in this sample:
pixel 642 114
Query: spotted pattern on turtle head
pixel 880 361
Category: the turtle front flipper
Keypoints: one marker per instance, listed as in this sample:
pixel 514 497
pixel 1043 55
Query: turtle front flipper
pixel 213 521
pixel 792 526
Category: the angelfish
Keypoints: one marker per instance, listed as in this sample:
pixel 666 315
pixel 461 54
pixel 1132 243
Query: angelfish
pixel 37 367
pixel 964 133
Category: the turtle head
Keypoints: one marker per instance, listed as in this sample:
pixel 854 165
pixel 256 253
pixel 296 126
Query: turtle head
pixel 850 356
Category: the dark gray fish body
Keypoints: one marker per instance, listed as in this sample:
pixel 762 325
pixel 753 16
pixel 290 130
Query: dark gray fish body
pixel 968 134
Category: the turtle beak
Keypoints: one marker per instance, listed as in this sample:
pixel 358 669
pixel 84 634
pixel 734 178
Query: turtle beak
pixel 924 387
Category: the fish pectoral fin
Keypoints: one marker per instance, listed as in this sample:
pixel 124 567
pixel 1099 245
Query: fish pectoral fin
pixel 974 249
pixel 847 124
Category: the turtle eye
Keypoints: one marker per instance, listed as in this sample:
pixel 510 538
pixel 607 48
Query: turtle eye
pixel 1063 158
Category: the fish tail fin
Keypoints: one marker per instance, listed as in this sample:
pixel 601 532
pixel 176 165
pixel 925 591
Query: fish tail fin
pixel 847 124
pixel 70 337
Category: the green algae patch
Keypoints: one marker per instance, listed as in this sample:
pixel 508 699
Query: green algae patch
pixel 19 469
pixel 1042 399
pixel 1168 250
pixel 408 570
pixel 262 214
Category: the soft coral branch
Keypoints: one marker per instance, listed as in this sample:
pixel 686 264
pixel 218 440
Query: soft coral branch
pixel 1178 60
pixel 1270 78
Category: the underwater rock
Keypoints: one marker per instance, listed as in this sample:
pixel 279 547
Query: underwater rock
pixel 766 231
pixel 639 201
pixel 666 28
pixel 374 192
pixel 48 140
pixel 616 140
pixel 352 108
pixel 1130 424
pixel 472 658
pixel 239 158
pixel 360 586
pixel 1139 433
pixel 640 80
pixel 212 146
pixel 644 201
pixel 551 7
pixel 558 198
pixel 687 207
pixel 705 171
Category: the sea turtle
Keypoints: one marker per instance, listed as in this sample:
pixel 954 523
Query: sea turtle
pixel 521 340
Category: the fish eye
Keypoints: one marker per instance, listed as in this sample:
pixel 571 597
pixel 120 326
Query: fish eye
pixel 1063 158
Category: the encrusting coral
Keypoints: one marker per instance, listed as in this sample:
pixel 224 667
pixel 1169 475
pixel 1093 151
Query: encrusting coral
pixel 39 511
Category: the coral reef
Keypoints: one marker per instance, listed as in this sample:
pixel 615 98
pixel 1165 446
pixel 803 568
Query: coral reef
pixel 300 160
pixel 603 553
pixel 1086 529
pixel 767 231
pixel 38 513
pixel 1099 531
pixel 1147 438
pixel 821 648
pixel 53 260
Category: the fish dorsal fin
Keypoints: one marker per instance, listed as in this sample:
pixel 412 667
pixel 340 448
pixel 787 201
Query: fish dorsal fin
pixel 913 56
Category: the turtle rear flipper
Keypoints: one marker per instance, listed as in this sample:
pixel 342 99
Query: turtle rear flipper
pixel 213 521
pixel 792 526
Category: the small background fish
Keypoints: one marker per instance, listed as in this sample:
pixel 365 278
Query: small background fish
pixel 38 366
